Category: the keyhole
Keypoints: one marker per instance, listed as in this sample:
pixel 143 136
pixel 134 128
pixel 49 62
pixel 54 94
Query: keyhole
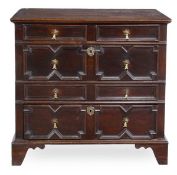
pixel 90 51
pixel 90 110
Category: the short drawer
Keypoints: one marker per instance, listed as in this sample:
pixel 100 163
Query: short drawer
pixel 126 92
pixel 127 32
pixel 55 92
pixel 54 32
pixel 54 122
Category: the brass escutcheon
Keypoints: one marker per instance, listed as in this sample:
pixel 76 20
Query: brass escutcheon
pixel 90 51
pixel 90 110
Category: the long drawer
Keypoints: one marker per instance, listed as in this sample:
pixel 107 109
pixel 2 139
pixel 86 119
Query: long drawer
pixel 102 62
pixel 73 121
pixel 57 91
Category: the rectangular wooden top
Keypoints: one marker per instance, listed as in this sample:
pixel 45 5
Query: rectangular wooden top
pixel 89 16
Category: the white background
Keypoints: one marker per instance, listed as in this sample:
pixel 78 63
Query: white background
pixel 83 159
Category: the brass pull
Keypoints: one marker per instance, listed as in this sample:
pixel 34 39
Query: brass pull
pixel 54 63
pixel 90 110
pixel 55 93
pixel 126 32
pixel 125 122
pixel 55 32
pixel 55 123
pixel 126 64
pixel 126 94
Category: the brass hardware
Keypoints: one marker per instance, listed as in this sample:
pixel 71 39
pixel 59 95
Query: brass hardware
pixel 55 122
pixel 125 122
pixel 90 110
pixel 126 63
pixel 55 32
pixel 126 94
pixel 55 93
pixel 90 51
pixel 126 32
pixel 54 63
pixel 55 125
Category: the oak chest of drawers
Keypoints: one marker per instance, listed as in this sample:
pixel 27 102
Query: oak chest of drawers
pixel 90 77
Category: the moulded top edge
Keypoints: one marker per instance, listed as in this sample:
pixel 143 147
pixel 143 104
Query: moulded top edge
pixel 81 16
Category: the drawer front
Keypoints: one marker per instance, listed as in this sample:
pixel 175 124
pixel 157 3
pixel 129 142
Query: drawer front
pixel 126 92
pixel 54 122
pixel 54 62
pixel 54 32
pixel 126 122
pixel 128 32
pixel 55 92
pixel 127 62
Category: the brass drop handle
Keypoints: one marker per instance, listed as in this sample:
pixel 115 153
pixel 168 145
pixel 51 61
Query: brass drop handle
pixel 126 64
pixel 55 32
pixel 125 122
pixel 54 64
pixel 126 94
pixel 55 123
pixel 126 32
pixel 55 93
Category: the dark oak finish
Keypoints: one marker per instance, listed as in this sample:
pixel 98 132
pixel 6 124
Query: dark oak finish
pixel 89 16
pixel 133 92
pixel 19 150
pixel 44 32
pixel 90 76
pixel 138 32
pixel 37 60
pixel 142 122
pixel 143 62
pixel 47 92
pixel 160 151
pixel 70 121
